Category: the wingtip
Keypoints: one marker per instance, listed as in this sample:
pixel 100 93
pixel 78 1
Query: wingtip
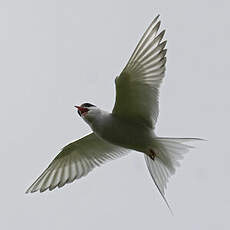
pixel 28 190
pixel 31 190
pixel 158 15
pixel 164 43
pixel 158 25
pixel 163 32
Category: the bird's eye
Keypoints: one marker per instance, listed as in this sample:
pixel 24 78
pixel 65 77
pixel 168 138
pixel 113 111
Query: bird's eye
pixel 87 105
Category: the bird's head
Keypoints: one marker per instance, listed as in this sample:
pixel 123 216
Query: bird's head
pixel 88 112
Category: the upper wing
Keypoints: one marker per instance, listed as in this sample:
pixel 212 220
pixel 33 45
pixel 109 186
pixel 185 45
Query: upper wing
pixel 75 160
pixel 138 85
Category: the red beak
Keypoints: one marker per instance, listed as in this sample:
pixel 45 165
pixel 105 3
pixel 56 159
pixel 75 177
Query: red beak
pixel 81 109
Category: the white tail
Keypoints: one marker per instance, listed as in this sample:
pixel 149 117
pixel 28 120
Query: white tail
pixel 168 153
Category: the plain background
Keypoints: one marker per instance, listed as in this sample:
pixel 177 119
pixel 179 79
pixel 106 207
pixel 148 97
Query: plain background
pixel 55 54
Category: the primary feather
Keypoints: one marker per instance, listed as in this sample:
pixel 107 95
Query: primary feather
pixel 76 160
pixel 137 87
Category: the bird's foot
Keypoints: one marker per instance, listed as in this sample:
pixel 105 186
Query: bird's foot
pixel 152 154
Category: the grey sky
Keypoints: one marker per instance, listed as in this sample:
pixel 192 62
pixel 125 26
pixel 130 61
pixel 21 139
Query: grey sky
pixel 55 54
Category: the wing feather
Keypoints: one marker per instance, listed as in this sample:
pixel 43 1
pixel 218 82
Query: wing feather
pixel 76 160
pixel 137 87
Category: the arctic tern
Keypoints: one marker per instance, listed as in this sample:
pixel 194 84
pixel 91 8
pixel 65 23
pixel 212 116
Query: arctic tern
pixel 130 126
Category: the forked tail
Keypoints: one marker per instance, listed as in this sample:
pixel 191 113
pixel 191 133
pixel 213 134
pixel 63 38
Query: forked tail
pixel 163 158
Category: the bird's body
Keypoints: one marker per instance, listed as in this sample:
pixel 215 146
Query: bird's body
pixel 130 126
pixel 123 132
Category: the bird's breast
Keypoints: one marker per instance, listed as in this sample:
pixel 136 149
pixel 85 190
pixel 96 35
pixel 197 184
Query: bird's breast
pixel 123 133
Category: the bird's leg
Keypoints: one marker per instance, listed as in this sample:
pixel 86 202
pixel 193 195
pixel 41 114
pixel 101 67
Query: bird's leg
pixel 152 154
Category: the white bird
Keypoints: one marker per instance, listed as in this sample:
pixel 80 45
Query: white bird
pixel 130 126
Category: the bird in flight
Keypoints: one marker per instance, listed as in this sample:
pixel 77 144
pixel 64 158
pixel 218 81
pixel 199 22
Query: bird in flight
pixel 130 126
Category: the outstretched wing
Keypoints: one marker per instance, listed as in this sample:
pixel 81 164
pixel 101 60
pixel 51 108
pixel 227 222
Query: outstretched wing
pixel 137 87
pixel 76 160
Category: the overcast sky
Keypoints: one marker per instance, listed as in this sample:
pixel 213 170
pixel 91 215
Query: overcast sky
pixel 55 54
